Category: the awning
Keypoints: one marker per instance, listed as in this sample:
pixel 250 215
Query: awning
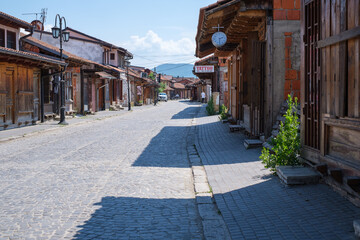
pixel 105 75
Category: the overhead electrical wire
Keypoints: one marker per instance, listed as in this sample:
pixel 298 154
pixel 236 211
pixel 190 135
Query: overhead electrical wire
pixel 171 60
pixel 162 70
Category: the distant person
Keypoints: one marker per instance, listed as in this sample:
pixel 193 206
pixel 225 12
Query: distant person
pixel 203 97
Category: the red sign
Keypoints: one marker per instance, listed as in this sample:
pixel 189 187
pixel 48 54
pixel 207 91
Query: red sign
pixel 204 69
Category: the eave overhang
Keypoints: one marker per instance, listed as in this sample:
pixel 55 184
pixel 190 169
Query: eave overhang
pixel 238 17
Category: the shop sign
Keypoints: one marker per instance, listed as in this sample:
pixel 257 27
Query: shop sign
pixel 204 69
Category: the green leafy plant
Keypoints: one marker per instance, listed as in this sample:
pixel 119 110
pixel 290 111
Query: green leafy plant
pixel 162 87
pixel 210 108
pixel 287 143
pixel 223 112
pixel 152 76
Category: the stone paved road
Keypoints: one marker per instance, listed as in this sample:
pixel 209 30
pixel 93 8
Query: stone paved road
pixel 254 204
pixel 125 177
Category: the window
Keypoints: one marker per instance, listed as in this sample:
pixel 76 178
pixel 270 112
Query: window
pixel 11 40
pixel 2 37
pixel 68 86
pixel 112 56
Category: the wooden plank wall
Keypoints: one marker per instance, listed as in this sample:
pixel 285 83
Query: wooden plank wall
pixel 3 93
pixel 17 94
pixel 353 20
pixel 340 61
pixel 341 82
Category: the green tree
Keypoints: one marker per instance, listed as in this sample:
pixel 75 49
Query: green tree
pixel 287 143
pixel 162 87
pixel 223 112
pixel 152 76
pixel 210 108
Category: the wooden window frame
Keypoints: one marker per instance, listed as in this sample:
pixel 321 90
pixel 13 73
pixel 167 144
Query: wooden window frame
pixel 112 56
pixel 68 86
pixel 9 41
pixel 2 37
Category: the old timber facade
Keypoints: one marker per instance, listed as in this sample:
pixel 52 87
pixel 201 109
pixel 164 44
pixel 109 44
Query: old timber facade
pixel 330 98
pixel 262 57
pixel 20 76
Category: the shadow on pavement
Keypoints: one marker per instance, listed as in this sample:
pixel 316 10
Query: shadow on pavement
pixel 270 210
pixel 167 149
pixel 141 218
pixel 187 113
pixel 218 146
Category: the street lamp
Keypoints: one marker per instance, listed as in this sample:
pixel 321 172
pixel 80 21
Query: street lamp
pixel 64 36
pixel 127 63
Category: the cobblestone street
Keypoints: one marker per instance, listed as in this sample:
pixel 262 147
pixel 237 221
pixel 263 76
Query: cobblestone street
pixel 255 204
pixel 122 177
pixel 134 176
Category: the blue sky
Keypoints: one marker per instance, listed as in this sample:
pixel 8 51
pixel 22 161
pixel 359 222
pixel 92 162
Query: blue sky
pixel 157 31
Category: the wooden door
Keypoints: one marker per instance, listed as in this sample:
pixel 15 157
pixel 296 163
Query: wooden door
pixel 36 84
pixel 233 87
pixel 7 96
pixel 312 74
pixel 10 97
pixel 3 94
pixel 238 85
pixel 257 88
pixel 101 98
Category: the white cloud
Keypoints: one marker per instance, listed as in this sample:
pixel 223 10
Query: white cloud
pixel 156 50
pixel 47 27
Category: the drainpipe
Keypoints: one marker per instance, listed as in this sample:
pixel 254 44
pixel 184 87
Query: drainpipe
pixel 26 36
pixel 82 97
pixel 42 98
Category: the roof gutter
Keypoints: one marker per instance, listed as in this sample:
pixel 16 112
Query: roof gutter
pixel 26 36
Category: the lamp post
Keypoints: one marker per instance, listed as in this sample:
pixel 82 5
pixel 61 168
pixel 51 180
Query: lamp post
pixel 64 36
pixel 127 63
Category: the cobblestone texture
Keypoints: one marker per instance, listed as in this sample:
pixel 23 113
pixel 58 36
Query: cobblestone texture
pixel 125 177
pixel 129 177
pixel 255 204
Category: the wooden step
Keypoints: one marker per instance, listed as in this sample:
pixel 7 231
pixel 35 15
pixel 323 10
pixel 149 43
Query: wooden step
pixel 252 143
pixel 322 168
pixel 268 146
pixel 275 132
pixel 297 175
pixel 356 225
pixel 235 127
pixel 353 182
pixel 336 174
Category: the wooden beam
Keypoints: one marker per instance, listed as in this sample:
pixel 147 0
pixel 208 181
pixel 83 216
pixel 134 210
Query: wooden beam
pixel 343 36
pixel 214 10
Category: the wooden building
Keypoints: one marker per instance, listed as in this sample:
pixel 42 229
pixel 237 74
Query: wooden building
pixel 262 56
pixel 143 88
pixel 330 88
pixel 166 79
pixel 20 76
pixel 103 53
pixel 88 84
pixel 207 69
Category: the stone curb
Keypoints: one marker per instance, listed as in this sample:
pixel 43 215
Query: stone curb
pixel 212 222
pixel 56 127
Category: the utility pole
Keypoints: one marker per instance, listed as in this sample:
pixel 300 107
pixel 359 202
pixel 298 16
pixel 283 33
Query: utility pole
pixel 128 84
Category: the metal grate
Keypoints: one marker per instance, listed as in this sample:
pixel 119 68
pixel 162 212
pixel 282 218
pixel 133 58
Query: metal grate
pixel 311 109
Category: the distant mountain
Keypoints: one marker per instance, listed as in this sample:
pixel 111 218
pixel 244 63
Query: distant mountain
pixel 176 70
